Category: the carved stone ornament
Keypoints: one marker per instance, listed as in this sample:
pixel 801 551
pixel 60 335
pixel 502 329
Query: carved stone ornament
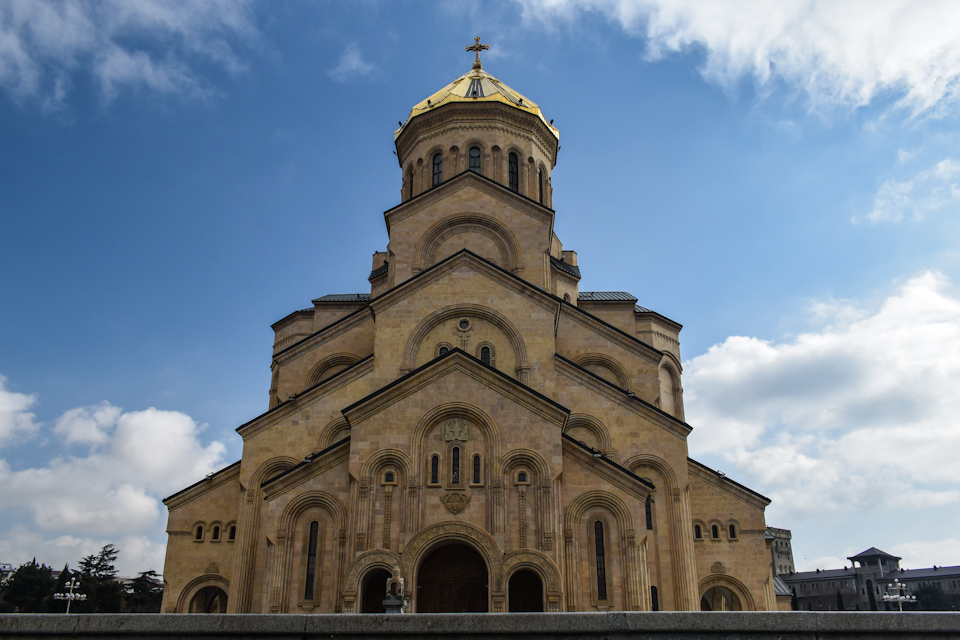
pixel 213 568
pixel 456 429
pixel 718 567
pixel 455 502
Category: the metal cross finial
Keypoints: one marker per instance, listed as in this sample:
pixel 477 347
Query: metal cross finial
pixel 477 47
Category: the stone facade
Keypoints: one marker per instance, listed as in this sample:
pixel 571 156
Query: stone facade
pixel 475 399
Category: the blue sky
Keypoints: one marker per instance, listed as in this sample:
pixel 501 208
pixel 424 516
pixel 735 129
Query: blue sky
pixel 176 176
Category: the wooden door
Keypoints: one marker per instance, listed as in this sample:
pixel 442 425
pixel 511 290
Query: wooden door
pixel 453 579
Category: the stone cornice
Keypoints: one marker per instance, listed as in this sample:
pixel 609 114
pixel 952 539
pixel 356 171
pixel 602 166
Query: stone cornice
pixel 622 397
pixel 456 360
pixel 459 182
pixel 306 398
pixel 318 338
pixel 724 483
pixel 308 469
pixel 197 489
pixel 463 114
pixel 441 269
pixel 578 453
pixel 608 331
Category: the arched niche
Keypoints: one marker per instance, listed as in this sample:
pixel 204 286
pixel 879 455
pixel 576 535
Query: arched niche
pixel 604 366
pixel 203 588
pixel 717 589
pixel 483 323
pixel 331 365
pixel 483 235
pixel 590 431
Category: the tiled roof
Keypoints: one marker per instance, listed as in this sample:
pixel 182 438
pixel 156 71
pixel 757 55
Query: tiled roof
pixel 566 267
pixel 379 271
pixel 640 309
pixel 606 296
pixel 344 297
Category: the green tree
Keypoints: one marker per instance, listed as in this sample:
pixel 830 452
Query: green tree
pixel 99 582
pixel 30 588
pixel 933 598
pixel 145 593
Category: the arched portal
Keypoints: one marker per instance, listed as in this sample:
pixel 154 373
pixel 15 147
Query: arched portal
pixel 720 599
pixel 453 579
pixel 526 592
pixel 209 600
pixel 374 591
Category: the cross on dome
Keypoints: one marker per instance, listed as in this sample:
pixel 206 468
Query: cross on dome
pixel 477 48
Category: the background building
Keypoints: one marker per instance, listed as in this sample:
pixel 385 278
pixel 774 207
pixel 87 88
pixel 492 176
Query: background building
pixel 862 585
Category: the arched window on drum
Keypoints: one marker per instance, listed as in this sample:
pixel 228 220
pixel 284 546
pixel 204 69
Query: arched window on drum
pixel 474 154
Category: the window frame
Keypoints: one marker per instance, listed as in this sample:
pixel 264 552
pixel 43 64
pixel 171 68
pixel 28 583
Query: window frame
pixel 513 172
pixel 437 164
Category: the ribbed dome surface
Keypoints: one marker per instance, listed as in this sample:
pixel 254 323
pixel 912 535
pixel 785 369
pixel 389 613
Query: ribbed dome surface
pixel 477 86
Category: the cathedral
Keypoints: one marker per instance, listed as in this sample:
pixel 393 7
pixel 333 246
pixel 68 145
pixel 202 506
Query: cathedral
pixel 475 433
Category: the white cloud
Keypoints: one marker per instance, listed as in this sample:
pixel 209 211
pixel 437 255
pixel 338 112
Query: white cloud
pixel 351 65
pixel 858 415
pixel 844 53
pixel 931 190
pixel 123 44
pixel 15 420
pixel 111 492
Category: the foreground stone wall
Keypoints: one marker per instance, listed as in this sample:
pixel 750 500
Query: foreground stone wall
pixel 648 626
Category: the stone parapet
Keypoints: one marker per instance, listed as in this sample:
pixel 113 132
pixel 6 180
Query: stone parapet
pixel 661 625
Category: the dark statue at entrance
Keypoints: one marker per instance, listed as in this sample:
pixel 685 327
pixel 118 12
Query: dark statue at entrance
pixel 453 579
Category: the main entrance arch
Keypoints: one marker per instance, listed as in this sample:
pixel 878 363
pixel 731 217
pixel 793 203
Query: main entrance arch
pixel 453 579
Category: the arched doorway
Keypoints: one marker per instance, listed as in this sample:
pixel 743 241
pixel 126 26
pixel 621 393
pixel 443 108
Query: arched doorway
pixel 526 591
pixel 453 579
pixel 209 600
pixel 720 599
pixel 374 591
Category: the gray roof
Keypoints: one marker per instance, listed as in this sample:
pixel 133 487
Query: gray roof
pixel 873 552
pixel 379 271
pixel 927 573
pixel 606 296
pixel 824 574
pixel 780 587
pixel 902 574
pixel 344 297
pixel 566 267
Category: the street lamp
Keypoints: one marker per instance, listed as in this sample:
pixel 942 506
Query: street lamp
pixel 70 597
pixel 899 594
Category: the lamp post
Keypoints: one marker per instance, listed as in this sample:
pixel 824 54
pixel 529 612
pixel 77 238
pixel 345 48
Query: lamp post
pixel 899 594
pixel 71 596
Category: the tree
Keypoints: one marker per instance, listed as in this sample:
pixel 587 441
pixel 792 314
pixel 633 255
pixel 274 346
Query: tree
pixel 30 588
pixel 104 593
pixel 145 593
pixel 933 598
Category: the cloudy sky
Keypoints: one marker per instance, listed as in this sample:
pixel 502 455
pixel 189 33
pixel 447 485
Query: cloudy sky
pixel 177 175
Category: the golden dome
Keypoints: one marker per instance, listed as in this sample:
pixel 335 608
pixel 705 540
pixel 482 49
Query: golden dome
pixel 477 86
